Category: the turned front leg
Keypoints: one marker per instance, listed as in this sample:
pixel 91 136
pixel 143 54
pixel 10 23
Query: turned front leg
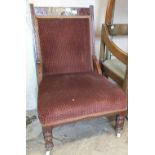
pixel 47 133
pixel 119 123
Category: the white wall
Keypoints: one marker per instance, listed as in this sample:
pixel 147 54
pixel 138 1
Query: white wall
pixel 99 15
pixel 121 11
pixel 31 79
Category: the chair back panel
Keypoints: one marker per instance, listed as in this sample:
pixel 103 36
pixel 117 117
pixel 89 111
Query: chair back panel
pixel 65 45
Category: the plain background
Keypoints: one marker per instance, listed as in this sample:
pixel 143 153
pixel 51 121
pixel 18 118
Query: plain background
pixel 141 77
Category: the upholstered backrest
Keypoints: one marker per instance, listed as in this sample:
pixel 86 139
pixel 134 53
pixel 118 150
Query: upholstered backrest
pixel 65 41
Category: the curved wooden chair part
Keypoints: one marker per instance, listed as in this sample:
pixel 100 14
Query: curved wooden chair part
pixel 109 12
pixel 71 85
pixel 114 68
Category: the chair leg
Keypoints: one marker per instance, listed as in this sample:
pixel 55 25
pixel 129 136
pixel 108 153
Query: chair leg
pixel 47 133
pixel 119 124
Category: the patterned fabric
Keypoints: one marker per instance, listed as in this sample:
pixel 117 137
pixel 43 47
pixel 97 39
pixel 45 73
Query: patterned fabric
pixel 65 45
pixel 69 97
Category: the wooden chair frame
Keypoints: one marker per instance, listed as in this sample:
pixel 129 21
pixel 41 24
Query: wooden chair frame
pixel 115 50
pixel 110 29
pixel 109 12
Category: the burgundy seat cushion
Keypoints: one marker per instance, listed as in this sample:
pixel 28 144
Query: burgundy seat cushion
pixel 69 97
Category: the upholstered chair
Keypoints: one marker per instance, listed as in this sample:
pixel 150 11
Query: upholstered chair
pixel 71 85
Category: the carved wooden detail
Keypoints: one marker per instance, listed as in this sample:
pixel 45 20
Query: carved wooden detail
pixel 60 11
pixel 47 133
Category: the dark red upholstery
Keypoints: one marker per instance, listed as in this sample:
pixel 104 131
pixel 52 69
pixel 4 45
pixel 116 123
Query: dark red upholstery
pixel 68 97
pixel 65 45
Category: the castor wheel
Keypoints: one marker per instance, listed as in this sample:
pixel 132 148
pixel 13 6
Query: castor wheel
pixel 48 153
pixel 118 135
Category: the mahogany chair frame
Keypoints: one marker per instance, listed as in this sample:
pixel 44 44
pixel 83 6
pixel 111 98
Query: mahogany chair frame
pixel 47 130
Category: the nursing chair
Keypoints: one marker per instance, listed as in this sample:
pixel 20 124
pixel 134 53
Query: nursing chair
pixel 70 81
